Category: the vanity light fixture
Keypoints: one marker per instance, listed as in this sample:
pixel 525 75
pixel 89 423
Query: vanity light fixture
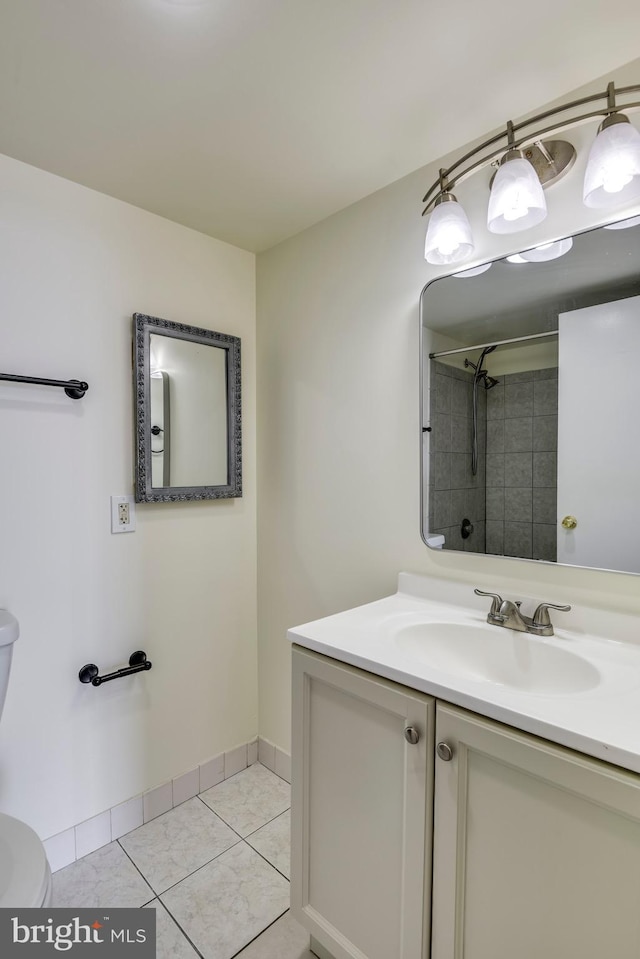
pixel 449 238
pixel 613 167
pixel 517 199
pixel 527 163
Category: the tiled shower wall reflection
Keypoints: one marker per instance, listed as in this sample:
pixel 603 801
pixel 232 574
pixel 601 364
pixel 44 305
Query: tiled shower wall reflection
pixel 511 501
pixel 454 492
pixel 521 472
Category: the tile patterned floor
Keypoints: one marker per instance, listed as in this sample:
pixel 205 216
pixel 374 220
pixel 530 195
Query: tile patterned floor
pixel 215 869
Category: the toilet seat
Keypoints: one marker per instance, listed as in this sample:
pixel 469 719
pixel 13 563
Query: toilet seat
pixel 25 876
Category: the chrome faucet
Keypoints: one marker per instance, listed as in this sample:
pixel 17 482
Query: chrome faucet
pixel 505 613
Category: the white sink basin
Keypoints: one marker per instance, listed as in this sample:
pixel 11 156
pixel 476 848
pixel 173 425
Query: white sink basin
pixel 500 656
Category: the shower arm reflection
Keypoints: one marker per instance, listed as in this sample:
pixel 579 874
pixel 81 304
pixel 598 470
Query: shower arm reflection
pixel 488 382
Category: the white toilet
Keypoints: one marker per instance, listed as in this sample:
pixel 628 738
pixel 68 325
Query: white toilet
pixel 25 876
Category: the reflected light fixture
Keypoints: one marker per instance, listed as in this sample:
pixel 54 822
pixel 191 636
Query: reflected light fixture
pixel 474 271
pixel 527 163
pixel 547 251
pixel 543 253
pixel 624 224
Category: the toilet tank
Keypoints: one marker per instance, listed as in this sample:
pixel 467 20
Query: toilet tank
pixel 9 632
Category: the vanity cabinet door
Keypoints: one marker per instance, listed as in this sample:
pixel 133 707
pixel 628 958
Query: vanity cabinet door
pixel 536 848
pixel 361 811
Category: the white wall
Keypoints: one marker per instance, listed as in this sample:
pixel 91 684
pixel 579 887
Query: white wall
pixel 338 426
pixel 74 266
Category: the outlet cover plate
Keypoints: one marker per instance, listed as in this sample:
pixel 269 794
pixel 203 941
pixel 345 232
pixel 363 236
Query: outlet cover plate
pixel 116 525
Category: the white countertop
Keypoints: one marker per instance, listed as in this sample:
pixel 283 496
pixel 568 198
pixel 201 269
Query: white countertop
pixel 602 721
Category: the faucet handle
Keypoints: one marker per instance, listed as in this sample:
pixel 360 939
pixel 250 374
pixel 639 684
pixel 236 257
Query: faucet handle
pixel 541 615
pixel 495 605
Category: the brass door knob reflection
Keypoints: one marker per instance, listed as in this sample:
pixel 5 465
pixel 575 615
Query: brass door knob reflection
pixel 569 522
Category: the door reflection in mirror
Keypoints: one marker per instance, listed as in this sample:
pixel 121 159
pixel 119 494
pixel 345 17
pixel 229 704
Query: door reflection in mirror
pixel 160 428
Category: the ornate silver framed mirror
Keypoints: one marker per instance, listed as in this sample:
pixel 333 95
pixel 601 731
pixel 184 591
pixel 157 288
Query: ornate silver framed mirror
pixel 187 412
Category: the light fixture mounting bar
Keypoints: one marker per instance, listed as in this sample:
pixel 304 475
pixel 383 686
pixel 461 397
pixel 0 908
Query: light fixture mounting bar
pixel 551 159
pixel 531 136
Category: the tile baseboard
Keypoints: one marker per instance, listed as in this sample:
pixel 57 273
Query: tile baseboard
pixel 75 842
pixel 274 759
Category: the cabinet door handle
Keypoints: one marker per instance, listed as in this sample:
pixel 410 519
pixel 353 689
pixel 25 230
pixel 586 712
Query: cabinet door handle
pixel 445 752
pixel 412 735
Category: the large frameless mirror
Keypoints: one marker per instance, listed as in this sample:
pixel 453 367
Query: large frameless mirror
pixel 188 415
pixel 531 404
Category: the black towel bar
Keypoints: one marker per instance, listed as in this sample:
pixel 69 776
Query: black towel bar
pixel 137 663
pixel 75 389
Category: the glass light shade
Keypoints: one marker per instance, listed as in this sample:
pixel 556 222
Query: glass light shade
pixel 517 200
pixel 516 258
pixel 548 251
pixel 474 271
pixel 613 168
pixel 449 238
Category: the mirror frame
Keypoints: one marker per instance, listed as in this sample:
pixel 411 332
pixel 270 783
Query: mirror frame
pixel 143 327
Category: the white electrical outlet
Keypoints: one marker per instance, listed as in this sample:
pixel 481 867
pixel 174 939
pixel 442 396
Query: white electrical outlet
pixel 123 514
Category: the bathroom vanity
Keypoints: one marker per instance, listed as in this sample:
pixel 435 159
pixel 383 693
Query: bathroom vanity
pixel 461 790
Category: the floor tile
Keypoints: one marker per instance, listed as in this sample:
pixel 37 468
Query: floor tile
pixel 170 847
pixel 106 878
pixel 249 799
pixel 273 841
pixel 228 902
pixel 285 939
pixel 171 943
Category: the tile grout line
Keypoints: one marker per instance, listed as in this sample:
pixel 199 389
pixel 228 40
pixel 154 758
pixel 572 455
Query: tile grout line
pixel 273 819
pixel 189 875
pixel 155 894
pixel 268 861
pixel 207 806
pixel 267 823
pixel 165 906
pixel 247 944
pixel 173 919
pixel 197 869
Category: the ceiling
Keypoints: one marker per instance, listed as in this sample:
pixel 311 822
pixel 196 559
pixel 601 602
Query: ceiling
pixel 250 120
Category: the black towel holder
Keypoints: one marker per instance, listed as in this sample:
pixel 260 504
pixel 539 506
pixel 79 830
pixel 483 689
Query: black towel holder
pixel 137 663
pixel 75 389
